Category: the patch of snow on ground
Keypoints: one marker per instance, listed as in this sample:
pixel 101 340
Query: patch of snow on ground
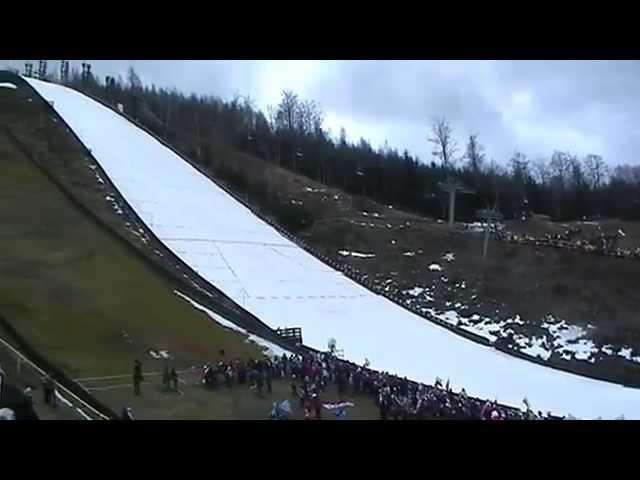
pixel 621 233
pixel 449 257
pixel 450 316
pixel 347 253
pixel 434 267
pixel 607 349
pixel 415 291
pixel 536 349
pixel 409 254
pixel 625 353
pixel 8 85
pixel 569 340
pixel 583 350
pixel 480 226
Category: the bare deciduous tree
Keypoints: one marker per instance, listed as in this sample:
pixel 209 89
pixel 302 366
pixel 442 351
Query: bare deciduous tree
pixel 519 167
pixel 627 173
pixel 560 167
pixel 287 111
pixel 577 178
pixel 595 170
pixel 540 170
pixel 445 144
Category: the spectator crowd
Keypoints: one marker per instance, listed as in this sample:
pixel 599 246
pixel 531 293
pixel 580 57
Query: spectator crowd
pixel 396 398
pixel 601 243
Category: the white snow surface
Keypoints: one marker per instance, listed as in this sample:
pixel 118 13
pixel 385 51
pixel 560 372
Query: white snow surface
pixel 247 259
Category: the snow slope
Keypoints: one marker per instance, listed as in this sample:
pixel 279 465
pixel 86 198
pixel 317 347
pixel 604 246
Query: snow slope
pixel 284 286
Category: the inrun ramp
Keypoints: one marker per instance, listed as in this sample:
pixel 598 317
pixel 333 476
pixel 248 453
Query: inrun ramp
pixel 286 287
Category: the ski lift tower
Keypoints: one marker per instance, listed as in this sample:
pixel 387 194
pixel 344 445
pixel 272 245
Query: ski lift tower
pixel 488 215
pixel 452 187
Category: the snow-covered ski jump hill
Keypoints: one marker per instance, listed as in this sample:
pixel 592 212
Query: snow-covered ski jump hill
pixel 284 286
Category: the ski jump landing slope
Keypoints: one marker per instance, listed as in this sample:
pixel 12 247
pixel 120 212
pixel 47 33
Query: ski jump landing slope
pixel 285 286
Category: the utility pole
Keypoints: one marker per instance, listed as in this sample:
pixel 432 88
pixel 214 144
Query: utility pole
pixel 297 157
pixel 28 69
pixel 363 190
pixel 452 187
pixel 487 215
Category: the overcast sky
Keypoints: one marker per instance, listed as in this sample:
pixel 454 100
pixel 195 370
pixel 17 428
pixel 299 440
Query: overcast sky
pixel 531 106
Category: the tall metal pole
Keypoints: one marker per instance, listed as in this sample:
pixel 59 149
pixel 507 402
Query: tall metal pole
pixel 452 187
pixel 488 216
pixel 486 240
pixel 452 206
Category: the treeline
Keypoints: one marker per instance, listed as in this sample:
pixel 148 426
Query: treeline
pixel 292 134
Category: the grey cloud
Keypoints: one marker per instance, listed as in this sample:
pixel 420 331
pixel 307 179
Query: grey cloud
pixel 531 106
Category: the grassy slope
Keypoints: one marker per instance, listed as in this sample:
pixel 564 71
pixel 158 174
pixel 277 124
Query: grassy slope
pixel 72 289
